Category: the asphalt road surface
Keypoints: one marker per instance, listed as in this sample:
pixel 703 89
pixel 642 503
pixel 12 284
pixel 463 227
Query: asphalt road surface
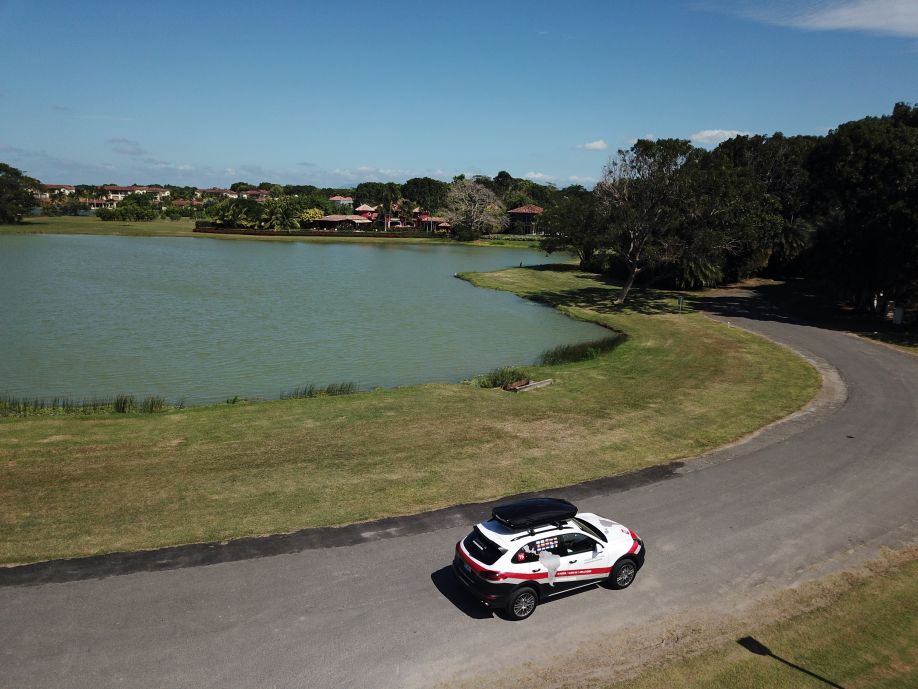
pixel 386 613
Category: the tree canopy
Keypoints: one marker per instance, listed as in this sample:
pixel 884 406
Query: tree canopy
pixel 16 194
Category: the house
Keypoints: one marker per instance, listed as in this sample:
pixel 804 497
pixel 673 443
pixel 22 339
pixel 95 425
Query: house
pixel 341 200
pixel 332 221
pixel 216 191
pixel 66 189
pixel 117 193
pixel 368 212
pixel 95 204
pixel 523 220
pixel 260 195
pixel 432 223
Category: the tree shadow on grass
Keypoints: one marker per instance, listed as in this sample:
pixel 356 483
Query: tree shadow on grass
pixel 801 302
pixel 758 648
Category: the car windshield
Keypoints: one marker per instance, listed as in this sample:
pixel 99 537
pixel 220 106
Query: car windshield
pixel 481 548
pixel 590 529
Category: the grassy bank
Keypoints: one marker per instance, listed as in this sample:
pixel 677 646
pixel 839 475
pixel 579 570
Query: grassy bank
pixel 863 632
pixel 185 228
pixel 677 386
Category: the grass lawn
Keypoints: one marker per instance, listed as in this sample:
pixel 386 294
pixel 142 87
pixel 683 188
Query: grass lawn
pixel 679 385
pixel 185 228
pixel 866 637
pixel 91 225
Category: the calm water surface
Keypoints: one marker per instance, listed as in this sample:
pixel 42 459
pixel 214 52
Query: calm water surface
pixel 203 320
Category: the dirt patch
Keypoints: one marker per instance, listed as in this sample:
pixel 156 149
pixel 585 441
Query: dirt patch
pixel 56 438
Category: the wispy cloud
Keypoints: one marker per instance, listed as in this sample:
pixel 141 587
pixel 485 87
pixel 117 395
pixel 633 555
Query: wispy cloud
pixel 306 164
pixel 540 177
pixel 712 137
pixel 598 145
pixel 127 147
pixel 889 17
pixel 576 179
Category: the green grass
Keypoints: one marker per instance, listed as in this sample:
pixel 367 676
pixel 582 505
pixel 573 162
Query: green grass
pixel 91 225
pixel 866 637
pixel 677 386
pixel 185 228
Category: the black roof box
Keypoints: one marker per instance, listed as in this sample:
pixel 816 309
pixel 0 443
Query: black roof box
pixel 533 512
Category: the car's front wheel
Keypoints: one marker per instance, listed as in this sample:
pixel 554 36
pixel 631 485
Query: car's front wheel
pixel 522 603
pixel 623 573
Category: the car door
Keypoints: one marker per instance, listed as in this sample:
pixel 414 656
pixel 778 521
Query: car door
pixel 582 561
pixel 528 564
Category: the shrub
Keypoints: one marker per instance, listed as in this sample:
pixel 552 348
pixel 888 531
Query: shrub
pixel 565 354
pixel 152 404
pixel 124 404
pixel 332 390
pixel 500 377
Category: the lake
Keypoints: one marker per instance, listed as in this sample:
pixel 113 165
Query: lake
pixel 203 320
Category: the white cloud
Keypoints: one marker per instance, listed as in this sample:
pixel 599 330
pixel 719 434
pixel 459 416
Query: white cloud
pixel 891 17
pixel 598 145
pixel 712 137
pixel 540 177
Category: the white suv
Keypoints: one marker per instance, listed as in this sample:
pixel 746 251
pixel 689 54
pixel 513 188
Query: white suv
pixel 532 550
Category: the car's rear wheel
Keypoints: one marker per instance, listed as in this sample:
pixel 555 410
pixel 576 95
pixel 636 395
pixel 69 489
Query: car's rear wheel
pixel 522 604
pixel 623 573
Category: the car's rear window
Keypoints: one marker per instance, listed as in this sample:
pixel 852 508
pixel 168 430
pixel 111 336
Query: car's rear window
pixel 481 548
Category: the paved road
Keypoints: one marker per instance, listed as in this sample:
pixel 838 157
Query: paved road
pixel 386 613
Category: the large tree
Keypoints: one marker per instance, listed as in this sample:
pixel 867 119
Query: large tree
pixel 16 194
pixel 473 210
pixel 643 193
pixel 579 222
pixel 426 192
pixel 865 183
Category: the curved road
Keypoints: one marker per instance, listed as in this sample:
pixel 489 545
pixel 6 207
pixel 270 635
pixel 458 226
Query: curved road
pixel 386 614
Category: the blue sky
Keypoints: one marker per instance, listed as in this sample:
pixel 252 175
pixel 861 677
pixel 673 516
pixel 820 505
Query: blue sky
pixel 328 93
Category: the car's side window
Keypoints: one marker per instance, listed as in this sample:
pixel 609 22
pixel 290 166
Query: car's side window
pixel 575 543
pixel 530 551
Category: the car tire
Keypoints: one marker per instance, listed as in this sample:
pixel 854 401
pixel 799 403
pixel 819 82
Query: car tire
pixel 522 604
pixel 623 573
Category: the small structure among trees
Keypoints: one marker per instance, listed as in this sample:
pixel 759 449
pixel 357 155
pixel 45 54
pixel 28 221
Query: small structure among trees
pixel 523 220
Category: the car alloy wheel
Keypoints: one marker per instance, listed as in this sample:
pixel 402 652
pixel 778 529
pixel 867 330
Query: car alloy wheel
pixel 625 574
pixel 523 605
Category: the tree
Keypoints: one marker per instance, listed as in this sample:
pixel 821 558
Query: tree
pixel 641 190
pixel 429 193
pixel 241 186
pixel 865 186
pixel 16 194
pixel 309 215
pixel 473 210
pixel 281 214
pixel 578 222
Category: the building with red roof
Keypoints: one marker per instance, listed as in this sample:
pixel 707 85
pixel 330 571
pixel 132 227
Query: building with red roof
pixel 523 220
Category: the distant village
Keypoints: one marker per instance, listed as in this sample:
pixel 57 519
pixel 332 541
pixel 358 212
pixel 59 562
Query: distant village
pixel 386 217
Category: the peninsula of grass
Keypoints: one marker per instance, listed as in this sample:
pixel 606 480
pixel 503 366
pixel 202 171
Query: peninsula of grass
pixel 676 386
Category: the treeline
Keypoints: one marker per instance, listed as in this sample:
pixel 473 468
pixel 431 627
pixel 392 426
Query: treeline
pixel 841 207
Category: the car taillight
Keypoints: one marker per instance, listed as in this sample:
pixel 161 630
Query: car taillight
pixel 490 576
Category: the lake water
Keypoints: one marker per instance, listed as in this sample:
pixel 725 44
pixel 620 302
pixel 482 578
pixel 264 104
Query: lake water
pixel 204 319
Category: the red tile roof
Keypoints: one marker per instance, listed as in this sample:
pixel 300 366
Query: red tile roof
pixel 528 210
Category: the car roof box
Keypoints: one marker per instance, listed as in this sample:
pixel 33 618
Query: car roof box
pixel 533 512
